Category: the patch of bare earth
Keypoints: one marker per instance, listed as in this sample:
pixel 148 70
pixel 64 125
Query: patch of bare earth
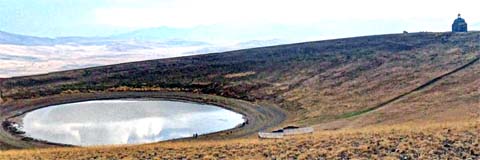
pixel 238 75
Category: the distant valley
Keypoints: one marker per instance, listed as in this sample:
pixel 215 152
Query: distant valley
pixel 22 55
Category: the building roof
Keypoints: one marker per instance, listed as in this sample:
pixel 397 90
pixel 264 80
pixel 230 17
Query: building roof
pixel 459 20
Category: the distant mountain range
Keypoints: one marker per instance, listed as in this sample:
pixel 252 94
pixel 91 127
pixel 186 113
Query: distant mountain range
pixel 162 36
pixel 16 39
pixel 9 38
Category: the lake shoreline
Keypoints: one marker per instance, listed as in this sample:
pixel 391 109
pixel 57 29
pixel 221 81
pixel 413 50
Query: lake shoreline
pixel 259 117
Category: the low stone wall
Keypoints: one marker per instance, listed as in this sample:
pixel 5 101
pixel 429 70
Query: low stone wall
pixel 298 131
pixel 270 135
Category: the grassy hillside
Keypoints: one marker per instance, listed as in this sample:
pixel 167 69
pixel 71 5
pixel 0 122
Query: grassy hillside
pixel 412 96
pixel 317 81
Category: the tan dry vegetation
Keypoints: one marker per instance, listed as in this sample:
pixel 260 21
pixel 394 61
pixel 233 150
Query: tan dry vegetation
pixel 326 96
pixel 401 141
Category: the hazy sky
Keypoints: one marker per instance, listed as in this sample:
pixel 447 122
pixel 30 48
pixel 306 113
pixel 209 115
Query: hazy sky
pixel 333 18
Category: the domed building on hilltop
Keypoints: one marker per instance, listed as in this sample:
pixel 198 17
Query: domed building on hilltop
pixel 459 25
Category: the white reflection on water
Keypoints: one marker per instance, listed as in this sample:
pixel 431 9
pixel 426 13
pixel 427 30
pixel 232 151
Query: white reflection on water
pixel 125 121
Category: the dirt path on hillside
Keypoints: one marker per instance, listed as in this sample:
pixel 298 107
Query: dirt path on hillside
pixel 421 87
pixel 341 123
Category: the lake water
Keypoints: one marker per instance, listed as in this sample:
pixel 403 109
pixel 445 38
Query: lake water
pixel 106 122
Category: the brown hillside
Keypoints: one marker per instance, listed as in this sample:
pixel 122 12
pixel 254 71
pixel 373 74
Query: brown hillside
pixel 316 81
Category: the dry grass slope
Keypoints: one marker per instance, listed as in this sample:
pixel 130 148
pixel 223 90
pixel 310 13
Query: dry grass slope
pixel 373 91
pixel 407 141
